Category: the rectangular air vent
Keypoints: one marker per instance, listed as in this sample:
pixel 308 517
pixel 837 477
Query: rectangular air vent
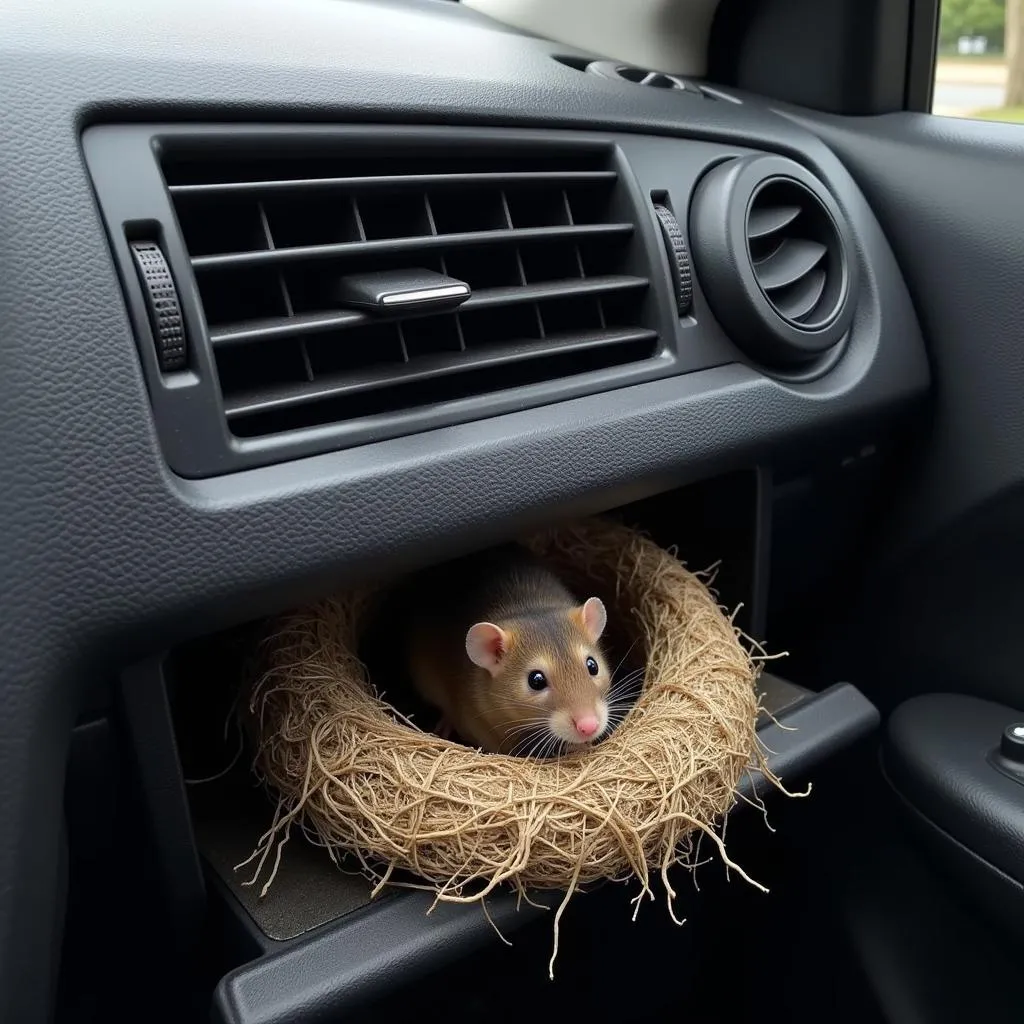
pixel 546 237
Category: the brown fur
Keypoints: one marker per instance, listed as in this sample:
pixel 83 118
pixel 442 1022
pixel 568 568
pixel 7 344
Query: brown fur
pixel 545 631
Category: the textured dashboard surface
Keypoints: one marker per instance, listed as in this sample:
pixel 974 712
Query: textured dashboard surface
pixel 106 556
pixel 910 166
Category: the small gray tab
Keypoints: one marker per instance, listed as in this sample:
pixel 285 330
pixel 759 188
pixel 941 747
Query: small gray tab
pixel 396 292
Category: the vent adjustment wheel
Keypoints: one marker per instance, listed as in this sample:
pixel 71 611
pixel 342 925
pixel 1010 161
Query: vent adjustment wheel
pixel 775 256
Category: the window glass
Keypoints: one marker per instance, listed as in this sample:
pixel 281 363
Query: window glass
pixel 979 71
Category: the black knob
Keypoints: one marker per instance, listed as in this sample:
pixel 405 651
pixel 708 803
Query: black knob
pixel 162 304
pixel 1012 745
pixel 678 258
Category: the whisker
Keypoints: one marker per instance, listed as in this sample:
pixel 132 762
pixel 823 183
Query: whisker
pixel 535 729
pixel 525 746
pixel 525 742
pixel 525 727
pixel 621 709
pixel 536 750
pixel 536 713
pixel 626 655
pixel 627 689
pixel 629 678
pixel 626 686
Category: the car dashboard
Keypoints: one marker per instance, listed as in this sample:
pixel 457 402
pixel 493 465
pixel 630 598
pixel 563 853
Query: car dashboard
pixel 670 290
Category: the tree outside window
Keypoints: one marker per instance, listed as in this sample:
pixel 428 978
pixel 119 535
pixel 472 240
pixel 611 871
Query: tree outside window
pixel 980 67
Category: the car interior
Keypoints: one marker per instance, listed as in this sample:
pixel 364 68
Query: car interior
pixel 303 295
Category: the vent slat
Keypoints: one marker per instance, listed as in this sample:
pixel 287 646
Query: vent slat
pixel 410 244
pixel 569 288
pixel 487 298
pixel 794 258
pixel 764 221
pixel 797 255
pixel 269 399
pixel 390 182
pixel 801 297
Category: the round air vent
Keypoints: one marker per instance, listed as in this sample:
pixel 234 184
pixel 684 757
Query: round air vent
pixel 775 257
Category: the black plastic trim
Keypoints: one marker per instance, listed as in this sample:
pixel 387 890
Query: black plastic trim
pixel 844 56
pixel 938 754
pixel 921 57
pixel 372 182
pixel 273 257
pixel 999 894
pixel 283 396
pixel 150 732
pixel 342 967
pixel 813 731
pixel 738 291
pixel 313 323
pixel 189 416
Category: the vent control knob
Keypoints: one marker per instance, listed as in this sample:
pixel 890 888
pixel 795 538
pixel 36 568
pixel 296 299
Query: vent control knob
pixel 162 305
pixel 678 257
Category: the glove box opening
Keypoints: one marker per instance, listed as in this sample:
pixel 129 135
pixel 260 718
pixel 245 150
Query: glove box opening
pixel 314 946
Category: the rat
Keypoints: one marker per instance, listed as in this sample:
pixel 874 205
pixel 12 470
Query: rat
pixel 509 656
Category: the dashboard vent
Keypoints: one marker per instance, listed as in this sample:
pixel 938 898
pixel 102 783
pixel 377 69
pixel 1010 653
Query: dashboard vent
pixel 776 257
pixel 544 239
pixel 640 76
pixel 795 252
pixel 634 75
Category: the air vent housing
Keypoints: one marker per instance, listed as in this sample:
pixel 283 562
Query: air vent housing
pixel 288 244
pixel 544 238
pixel 634 75
pixel 640 76
pixel 776 258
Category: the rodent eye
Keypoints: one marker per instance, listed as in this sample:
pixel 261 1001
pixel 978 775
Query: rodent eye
pixel 592 666
pixel 538 681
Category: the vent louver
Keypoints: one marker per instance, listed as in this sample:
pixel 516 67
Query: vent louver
pixel 795 251
pixel 545 242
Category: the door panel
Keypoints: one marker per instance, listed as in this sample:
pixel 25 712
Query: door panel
pixel 944 605
pixel 941 606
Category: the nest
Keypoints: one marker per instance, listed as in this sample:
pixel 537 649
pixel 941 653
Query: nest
pixel 360 778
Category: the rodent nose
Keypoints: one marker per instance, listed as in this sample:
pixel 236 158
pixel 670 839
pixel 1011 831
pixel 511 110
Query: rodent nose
pixel 586 725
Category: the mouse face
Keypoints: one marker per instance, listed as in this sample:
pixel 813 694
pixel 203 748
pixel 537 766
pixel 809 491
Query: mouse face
pixel 545 679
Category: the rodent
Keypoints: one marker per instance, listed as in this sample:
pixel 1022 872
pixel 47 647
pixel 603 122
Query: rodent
pixel 501 647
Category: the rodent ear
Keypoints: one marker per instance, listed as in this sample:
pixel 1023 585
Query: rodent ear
pixel 486 645
pixel 594 617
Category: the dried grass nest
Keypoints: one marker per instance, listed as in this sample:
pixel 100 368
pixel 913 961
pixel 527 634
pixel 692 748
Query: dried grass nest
pixel 361 779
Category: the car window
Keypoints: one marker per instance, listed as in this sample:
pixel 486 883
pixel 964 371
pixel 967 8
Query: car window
pixel 979 71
